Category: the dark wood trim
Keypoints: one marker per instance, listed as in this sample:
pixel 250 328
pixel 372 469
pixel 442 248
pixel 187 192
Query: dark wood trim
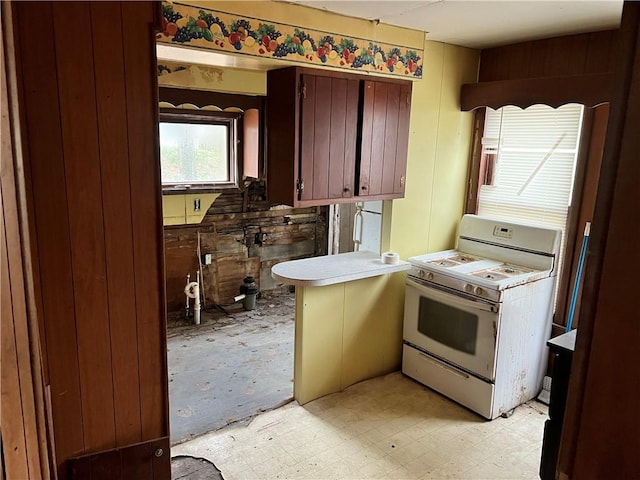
pixel 604 383
pixel 583 201
pixel 571 234
pixel 475 171
pixel 147 460
pixel 589 90
pixel 24 443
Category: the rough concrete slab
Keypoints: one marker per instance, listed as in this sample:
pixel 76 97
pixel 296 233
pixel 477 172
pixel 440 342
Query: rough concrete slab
pixel 231 367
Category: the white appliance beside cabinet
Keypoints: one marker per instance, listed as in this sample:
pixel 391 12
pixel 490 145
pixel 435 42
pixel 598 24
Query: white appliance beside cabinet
pixel 477 318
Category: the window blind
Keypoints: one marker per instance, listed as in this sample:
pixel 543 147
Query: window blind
pixel 535 153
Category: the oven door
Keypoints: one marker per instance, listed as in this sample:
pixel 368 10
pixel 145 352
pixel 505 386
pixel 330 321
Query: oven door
pixel 457 328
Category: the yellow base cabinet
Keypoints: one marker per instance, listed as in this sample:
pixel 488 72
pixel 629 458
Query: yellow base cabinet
pixel 346 333
pixel 186 209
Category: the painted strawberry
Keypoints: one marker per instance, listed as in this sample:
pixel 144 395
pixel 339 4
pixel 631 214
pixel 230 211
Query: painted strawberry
pixel 265 40
pixel 345 54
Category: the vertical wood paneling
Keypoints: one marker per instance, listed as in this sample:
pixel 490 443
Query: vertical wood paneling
pixel 23 448
pixel 142 123
pixel 503 63
pixel 390 138
pixel 489 62
pixel 307 129
pixel 14 440
pixel 556 60
pixel 378 140
pixel 367 137
pixel 90 116
pixel 112 124
pixel 600 55
pixel 580 54
pixel 351 137
pixel 322 137
pixel 404 116
pixel 337 132
pixel 577 57
pixel 519 57
pixel 40 85
pixel 537 59
pixel 83 180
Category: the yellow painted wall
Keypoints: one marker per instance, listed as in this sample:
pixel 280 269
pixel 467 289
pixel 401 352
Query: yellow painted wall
pixel 439 145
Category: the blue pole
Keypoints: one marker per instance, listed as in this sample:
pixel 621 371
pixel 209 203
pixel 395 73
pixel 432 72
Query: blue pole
pixel 576 284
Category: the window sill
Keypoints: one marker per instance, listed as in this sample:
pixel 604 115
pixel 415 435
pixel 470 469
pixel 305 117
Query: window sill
pixel 182 190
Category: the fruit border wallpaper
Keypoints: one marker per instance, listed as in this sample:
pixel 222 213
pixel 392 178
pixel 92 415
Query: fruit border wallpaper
pixel 220 31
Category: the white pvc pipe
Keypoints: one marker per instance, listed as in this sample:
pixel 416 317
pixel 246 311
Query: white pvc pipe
pixel 196 303
pixel 239 297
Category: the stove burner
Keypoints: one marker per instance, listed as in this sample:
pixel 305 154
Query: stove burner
pixel 443 263
pixel 509 270
pixel 453 260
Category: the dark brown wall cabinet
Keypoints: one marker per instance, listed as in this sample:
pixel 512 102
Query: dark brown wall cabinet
pixel 334 137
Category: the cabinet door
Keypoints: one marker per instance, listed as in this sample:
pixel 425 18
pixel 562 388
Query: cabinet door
pixel 328 131
pixel 385 136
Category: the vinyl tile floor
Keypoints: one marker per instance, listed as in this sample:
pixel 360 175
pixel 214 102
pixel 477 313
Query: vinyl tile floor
pixel 389 427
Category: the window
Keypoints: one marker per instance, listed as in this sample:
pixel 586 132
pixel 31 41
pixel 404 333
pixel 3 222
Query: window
pixel 198 149
pixel 528 163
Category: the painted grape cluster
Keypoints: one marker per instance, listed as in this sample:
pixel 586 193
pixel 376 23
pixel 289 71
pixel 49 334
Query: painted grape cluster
pixel 265 39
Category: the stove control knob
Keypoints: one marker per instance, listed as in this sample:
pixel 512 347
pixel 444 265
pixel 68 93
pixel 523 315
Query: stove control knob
pixel 429 276
pixel 421 274
pixel 478 291
pixel 468 288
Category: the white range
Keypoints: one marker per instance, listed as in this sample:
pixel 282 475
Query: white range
pixel 477 318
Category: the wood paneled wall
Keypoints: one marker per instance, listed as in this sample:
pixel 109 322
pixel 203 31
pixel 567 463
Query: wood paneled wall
pixel 582 54
pixel 24 443
pixel 89 101
pixel 553 71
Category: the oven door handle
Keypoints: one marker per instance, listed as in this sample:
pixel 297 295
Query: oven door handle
pixel 451 298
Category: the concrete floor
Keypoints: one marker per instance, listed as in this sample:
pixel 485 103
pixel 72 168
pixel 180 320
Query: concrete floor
pixel 230 367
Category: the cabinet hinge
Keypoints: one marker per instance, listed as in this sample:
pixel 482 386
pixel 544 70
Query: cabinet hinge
pixel 302 92
pixel 408 99
pixel 299 186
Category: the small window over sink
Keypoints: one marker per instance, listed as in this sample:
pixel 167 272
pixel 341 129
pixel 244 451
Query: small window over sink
pixel 198 149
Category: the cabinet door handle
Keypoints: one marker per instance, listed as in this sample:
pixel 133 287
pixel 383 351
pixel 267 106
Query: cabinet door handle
pixel 346 189
pixel 364 187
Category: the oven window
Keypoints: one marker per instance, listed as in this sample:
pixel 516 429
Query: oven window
pixel 448 325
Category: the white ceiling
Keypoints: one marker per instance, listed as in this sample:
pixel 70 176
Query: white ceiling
pixel 483 24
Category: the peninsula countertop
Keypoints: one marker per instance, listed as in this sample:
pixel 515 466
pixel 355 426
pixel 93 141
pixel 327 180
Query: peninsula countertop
pixel 332 269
